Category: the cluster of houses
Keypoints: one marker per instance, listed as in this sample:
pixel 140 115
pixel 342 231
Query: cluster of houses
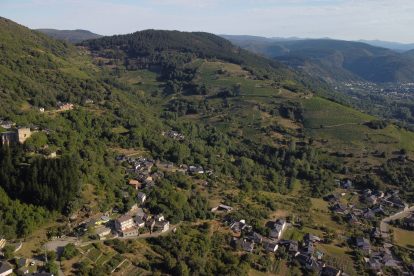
pixel 391 199
pixel 380 259
pixel 173 134
pixel 142 166
pixel 376 198
pixel 126 225
pixel 306 257
pixel 305 254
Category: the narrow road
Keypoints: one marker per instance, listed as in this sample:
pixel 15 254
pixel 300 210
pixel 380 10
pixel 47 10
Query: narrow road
pixel 142 236
pixel 58 244
pixel 384 231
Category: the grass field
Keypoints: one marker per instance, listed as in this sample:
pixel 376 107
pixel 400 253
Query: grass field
pixel 404 238
pixel 292 233
pixel 319 112
pixel 316 232
pixel 319 203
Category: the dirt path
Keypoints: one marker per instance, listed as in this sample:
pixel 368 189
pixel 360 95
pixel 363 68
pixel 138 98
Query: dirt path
pixel 333 126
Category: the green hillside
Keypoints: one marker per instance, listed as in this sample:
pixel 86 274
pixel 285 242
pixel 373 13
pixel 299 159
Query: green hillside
pixel 74 36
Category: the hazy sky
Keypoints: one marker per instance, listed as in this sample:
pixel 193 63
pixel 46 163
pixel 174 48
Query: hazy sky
pixel 390 20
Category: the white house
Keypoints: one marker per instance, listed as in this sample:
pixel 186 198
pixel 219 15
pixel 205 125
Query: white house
pixel 279 227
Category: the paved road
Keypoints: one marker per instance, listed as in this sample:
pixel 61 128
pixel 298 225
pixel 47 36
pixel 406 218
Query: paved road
pixel 142 236
pixel 384 231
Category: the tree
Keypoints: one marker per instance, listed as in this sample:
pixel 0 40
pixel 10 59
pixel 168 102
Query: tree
pixel 69 251
pixel 403 151
pixel 8 252
pixel 182 269
pixel 51 256
pixel 51 267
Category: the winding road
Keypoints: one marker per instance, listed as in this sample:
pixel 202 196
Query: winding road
pixel 384 231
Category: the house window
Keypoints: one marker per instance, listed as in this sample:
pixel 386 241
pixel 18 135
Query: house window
pixel 25 135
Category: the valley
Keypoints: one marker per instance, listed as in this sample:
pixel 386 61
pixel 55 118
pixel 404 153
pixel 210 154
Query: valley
pixel 240 129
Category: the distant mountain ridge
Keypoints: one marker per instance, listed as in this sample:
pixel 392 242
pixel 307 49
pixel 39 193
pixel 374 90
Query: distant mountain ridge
pixel 74 36
pixel 388 44
pixel 337 60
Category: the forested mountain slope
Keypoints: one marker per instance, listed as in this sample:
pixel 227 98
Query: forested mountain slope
pixel 74 36
pixel 368 62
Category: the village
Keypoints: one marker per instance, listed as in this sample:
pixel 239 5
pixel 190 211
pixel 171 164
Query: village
pixel 136 221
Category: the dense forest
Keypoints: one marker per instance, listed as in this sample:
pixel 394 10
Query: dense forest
pixel 50 183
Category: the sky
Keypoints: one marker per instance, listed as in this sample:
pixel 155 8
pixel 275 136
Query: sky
pixel 389 20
